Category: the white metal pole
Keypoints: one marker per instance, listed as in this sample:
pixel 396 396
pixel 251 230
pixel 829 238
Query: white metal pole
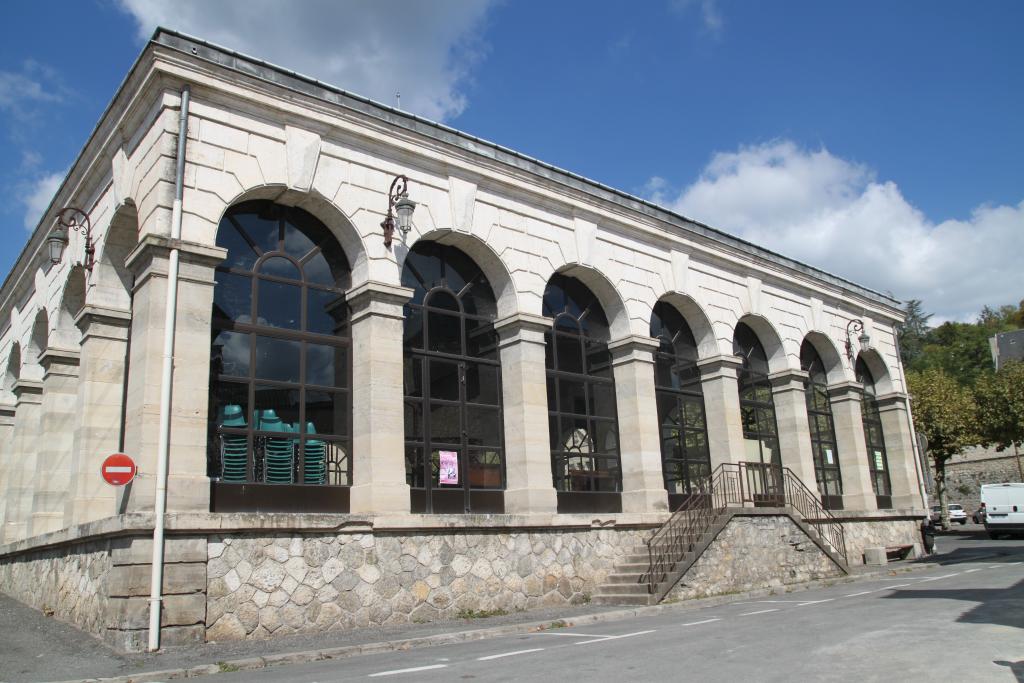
pixel 166 378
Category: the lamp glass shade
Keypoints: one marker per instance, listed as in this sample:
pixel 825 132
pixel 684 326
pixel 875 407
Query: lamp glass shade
pixel 864 340
pixel 403 209
pixel 56 243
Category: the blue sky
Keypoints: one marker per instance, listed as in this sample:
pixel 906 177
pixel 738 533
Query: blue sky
pixel 879 141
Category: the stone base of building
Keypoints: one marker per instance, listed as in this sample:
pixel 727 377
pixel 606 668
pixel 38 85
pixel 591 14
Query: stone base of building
pixel 251 576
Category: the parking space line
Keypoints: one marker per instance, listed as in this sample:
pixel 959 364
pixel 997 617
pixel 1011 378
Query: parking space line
pixel 573 635
pixel 854 595
pixel 969 571
pixel 624 635
pixel 936 578
pixel 509 654
pixel 408 671
pixel 764 611
pixel 696 623
pixel 815 602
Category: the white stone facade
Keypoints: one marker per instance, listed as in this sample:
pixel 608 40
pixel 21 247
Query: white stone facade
pixel 82 350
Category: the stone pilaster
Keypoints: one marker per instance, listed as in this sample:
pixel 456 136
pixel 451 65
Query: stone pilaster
pixel 722 408
pixel 853 450
pixel 6 457
pixel 899 450
pixel 29 396
pixel 789 394
pixel 101 376
pixel 52 476
pixel 188 486
pixel 643 483
pixel 378 422
pixel 529 487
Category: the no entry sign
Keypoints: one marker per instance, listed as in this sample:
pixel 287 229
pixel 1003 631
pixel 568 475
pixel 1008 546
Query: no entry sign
pixel 118 469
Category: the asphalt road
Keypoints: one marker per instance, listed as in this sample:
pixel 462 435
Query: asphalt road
pixel 963 621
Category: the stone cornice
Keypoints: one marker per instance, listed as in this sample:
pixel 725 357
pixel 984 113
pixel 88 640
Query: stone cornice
pixel 892 400
pixel 719 366
pixel 377 299
pixel 28 390
pixel 788 379
pixel 522 327
pixel 56 361
pixel 153 247
pixel 846 390
pixel 633 348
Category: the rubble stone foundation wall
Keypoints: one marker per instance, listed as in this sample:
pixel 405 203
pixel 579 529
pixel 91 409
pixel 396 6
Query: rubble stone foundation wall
pixel 273 584
pixel 881 533
pixel 754 553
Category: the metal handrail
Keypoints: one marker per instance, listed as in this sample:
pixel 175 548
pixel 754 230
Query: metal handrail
pixel 736 484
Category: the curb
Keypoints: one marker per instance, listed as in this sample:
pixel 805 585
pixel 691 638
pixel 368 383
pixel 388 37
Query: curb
pixel 346 651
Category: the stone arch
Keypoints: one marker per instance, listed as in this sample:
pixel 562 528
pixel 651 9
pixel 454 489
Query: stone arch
pixel 879 371
pixel 12 371
pixel 324 210
pixel 830 356
pixel 113 281
pixel 697 319
pixel 36 344
pixel 65 333
pixel 770 339
pixel 606 293
pixel 484 256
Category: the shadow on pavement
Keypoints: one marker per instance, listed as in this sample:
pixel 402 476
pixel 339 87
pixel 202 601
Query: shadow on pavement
pixel 999 606
pixel 1016 668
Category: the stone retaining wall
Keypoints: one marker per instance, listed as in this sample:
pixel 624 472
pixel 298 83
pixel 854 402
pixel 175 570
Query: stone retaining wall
pixel 264 585
pixel 753 553
pixel 876 533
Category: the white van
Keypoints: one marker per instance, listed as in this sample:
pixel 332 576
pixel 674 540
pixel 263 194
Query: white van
pixel 1004 508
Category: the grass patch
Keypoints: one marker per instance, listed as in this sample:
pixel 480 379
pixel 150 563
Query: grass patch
pixel 227 668
pixel 480 613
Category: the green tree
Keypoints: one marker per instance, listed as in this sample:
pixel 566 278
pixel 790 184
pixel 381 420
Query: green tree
pixel 945 412
pixel 1003 319
pixel 961 350
pixel 912 332
pixel 1000 400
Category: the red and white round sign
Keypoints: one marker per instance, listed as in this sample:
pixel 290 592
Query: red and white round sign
pixel 118 469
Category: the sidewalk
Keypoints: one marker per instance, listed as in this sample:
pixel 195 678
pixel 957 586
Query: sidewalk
pixel 34 647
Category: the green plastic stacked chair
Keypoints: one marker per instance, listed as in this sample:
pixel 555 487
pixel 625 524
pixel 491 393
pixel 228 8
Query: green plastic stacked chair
pixel 315 459
pixel 279 451
pixel 235 449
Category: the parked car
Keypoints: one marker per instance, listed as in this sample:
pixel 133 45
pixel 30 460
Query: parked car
pixel 956 514
pixel 979 515
pixel 1004 508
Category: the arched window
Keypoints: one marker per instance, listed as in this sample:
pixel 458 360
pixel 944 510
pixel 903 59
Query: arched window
pixel 686 461
pixel 454 448
pixel 822 426
pixel 582 418
pixel 757 411
pixel 878 461
pixel 280 363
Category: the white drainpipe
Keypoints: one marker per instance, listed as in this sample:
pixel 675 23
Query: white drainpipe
pixel 160 504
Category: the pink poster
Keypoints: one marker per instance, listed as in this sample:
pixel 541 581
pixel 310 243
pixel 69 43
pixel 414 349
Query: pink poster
pixel 449 473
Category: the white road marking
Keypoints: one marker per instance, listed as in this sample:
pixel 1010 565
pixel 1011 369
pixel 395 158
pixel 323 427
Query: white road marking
pixel 936 578
pixel 695 623
pixel 854 595
pixel 509 654
pixel 573 635
pixel 815 602
pixel 779 601
pixel 969 571
pixel 764 611
pixel 898 585
pixel 409 671
pixel 1013 563
pixel 624 635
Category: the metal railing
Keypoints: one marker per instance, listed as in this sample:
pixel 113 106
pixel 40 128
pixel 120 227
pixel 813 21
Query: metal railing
pixel 736 484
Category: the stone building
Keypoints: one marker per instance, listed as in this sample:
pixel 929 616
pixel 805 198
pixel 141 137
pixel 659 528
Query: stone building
pixel 491 412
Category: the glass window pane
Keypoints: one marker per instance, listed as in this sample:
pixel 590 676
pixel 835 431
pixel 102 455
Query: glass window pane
pixel 599 359
pixel 413 374
pixel 276 409
pixel 326 412
pixel 296 244
pixel 485 468
pixel 443 300
pixel 694 411
pixel 572 397
pixel 549 352
pixel 240 253
pixel 232 297
pixel 414 467
pixel 602 399
pixel 445 426
pixel 444 333
pixel 277 359
pixel 482 384
pixel 554 435
pixel 483 426
pixel 479 299
pixel 230 354
pixel 663 376
pixel 575 435
pixel 326 312
pixel 230 404
pixel 413 421
pixel 338 461
pixel 261 223
pixel 326 365
pixel 279 266
pixel 570 357
pixel 606 437
pixel 481 339
pixel 413 327
pixel 279 304
pixel 444 380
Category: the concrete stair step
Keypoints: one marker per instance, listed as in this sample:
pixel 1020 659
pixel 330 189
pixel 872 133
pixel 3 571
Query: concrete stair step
pixel 645 599
pixel 623 589
pixel 625 577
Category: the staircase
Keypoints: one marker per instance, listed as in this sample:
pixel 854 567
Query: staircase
pixel 649 572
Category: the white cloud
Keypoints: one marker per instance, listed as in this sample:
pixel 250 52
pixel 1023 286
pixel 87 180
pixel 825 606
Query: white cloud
pixel 34 84
pixel 426 50
pixel 836 215
pixel 710 14
pixel 36 196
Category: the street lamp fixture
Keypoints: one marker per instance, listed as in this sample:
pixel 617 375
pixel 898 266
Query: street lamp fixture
pixel 856 325
pixel 71 218
pixel 399 205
